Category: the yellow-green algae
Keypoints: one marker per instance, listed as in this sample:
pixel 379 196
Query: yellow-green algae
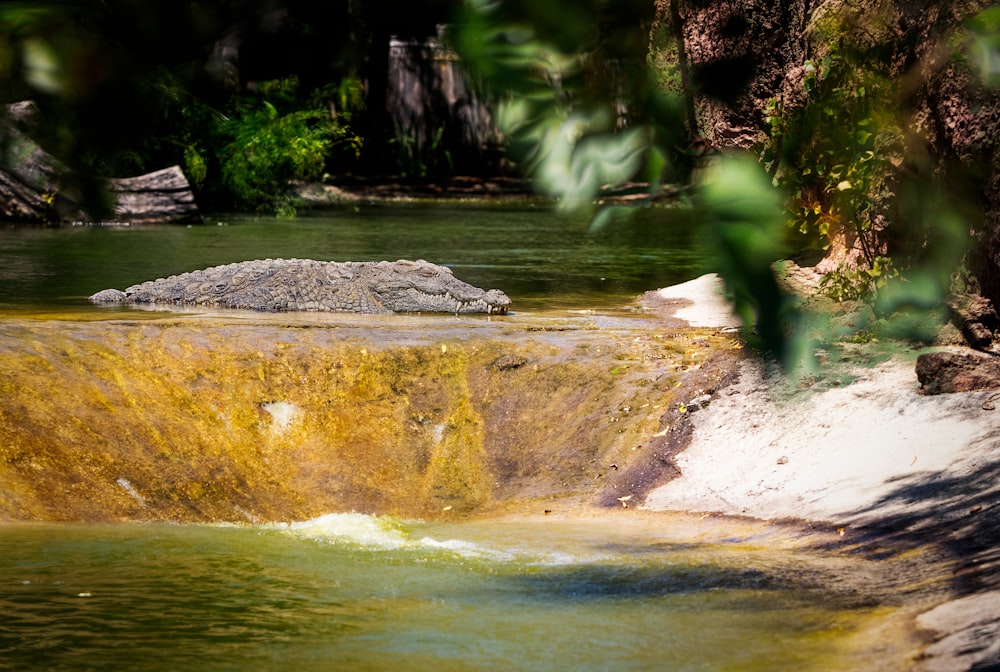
pixel 193 419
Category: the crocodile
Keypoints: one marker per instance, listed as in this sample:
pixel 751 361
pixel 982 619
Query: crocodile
pixel 275 285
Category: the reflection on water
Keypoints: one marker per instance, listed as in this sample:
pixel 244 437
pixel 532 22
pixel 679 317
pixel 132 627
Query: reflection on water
pixel 355 592
pixel 539 258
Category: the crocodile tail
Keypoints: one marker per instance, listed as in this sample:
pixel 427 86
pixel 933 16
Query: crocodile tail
pixel 108 296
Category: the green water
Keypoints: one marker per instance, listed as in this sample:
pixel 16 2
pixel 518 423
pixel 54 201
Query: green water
pixel 539 258
pixel 353 592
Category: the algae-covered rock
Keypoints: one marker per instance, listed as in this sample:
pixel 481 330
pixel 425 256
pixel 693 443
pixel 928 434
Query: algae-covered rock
pixel 193 419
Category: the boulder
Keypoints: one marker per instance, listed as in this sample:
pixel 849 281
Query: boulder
pixel 944 372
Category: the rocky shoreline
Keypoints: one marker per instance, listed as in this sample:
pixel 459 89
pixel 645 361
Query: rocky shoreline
pixel 857 447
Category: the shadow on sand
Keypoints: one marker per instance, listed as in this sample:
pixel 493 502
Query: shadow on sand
pixel 957 510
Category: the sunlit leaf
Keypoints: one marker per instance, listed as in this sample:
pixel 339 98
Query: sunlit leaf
pixel 984 45
pixel 42 68
pixel 607 215
pixel 653 169
pixel 513 114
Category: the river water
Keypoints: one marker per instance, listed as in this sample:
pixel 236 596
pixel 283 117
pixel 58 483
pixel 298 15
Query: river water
pixel 620 590
pixel 539 258
pixel 354 592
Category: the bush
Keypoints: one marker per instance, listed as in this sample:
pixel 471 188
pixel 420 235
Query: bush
pixel 242 155
pixel 267 148
pixel 834 156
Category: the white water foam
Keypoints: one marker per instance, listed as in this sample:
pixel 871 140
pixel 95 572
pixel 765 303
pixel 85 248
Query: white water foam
pixel 354 528
pixel 125 485
pixel 383 533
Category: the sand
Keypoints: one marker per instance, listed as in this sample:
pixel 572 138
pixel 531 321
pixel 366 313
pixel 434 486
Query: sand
pixel 771 447
pixel 859 446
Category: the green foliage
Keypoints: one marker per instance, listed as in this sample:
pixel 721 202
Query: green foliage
pixel 853 174
pixel 412 162
pixel 244 154
pixel 23 48
pixel 983 45
pixel 572 143
pixel 858 283
pixel 557 102
pixel 270 143
pixel 833 156
pixel 741 212
pixel 123 89
pixel 195 167
pixel 346 96
pixel 569 138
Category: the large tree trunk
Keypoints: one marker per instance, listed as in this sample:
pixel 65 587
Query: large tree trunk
pixel 37 187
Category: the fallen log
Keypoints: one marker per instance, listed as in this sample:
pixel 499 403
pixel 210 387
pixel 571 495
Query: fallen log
pixel 21 203
pixel 36 187
pixel 157 197
pixel 29 178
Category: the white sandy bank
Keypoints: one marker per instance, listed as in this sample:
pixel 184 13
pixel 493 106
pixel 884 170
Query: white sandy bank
pixel 707 305
pixel 869 450
pixel 872 451
pixel 773 449
pixel 845 455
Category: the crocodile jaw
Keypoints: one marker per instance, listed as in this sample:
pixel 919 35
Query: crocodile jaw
pixel 418 286
pixel 414 300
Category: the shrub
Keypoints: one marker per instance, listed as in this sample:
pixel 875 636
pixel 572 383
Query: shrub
pixel 834 157
pixel 271 144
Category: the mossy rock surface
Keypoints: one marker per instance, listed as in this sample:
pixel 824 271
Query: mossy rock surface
pixel 202 419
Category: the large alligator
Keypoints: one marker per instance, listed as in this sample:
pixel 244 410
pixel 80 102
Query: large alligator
pixel 273 285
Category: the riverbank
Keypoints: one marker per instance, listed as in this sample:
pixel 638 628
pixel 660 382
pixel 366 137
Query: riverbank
pixel 860 448
pixel 495 190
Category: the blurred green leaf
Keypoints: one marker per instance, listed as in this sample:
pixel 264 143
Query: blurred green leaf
pixel 743 217
pixel 42 68
pixel 984 44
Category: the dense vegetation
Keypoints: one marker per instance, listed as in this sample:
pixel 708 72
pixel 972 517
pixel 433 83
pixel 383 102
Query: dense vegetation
pixel 245 96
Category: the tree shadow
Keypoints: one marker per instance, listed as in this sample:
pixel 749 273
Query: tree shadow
pixel 956 510
pixel 586 583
